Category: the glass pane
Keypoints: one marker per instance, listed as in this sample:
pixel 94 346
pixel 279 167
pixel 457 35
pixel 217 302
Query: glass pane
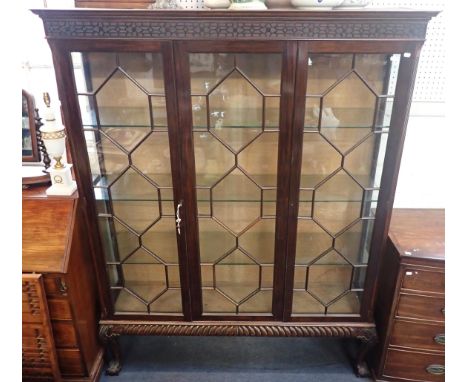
pixel 123 108
pixel 121 102
pixel 348 112
pixel 329 277
pixel 236 173
pixel 319 159
pixel 145 280
pixel 237 276
pixel 348 304
pixel 235 102
pixel 272 108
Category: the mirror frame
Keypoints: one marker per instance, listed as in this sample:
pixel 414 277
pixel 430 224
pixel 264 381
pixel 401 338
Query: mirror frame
pixel 33 128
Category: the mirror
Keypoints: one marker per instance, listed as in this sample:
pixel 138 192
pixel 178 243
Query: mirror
pixel 29 129
pixel 34 155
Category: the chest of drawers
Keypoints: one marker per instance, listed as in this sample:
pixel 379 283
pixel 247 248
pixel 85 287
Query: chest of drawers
pixel 60 310
pixel 410 314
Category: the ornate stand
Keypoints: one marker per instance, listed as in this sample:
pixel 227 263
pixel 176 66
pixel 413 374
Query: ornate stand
pixel 40 142
pixel 110 331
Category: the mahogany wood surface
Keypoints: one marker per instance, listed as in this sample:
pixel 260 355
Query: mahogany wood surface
pixel 419 233
pixel 429 280
pixel 411 366
pixel 119 4
pixel 416 335
pixel 39 357
pixel 410 308
pixel 61 253
pixel 47 227
pixel 421 307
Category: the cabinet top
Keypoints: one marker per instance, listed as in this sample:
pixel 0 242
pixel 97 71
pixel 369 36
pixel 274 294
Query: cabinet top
pixel 368 23
pixel 47 233
pixel 418 233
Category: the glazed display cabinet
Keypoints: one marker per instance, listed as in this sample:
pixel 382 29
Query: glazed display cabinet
pixel 238 168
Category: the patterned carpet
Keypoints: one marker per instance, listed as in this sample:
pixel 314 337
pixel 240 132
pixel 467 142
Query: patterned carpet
pixel 235 359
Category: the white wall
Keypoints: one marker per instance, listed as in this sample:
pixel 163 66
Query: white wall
pixel 423 164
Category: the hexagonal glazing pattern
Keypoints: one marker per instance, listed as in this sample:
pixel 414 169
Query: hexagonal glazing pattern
pixel 129 148
pixel 237 276
pixel 329 277
pixel 236 169
pixel 337 202
pixel 343 150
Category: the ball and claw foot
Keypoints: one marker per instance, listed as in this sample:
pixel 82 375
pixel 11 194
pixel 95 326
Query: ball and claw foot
pixel 113 368
pixel 368 339
pixel 362 370
pixel 110 341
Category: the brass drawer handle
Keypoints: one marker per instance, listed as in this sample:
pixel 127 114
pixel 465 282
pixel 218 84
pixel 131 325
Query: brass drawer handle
pixel 440 339
pixel 62 287
pixel 436 369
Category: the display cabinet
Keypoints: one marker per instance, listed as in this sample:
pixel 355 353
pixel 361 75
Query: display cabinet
pixel 238 167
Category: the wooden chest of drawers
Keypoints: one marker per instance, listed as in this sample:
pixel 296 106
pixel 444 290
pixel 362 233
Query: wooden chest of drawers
pixel 60 311
pixel 410 313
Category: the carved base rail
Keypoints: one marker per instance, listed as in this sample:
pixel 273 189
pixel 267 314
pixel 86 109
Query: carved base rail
pixel 110 331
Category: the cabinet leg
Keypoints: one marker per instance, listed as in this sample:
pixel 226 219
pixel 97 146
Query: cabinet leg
pixel 111 344
pixel 368 339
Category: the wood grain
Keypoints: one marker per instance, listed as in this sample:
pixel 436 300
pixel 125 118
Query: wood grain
pixel 47 228
pixel 429 280
pixel 39 358
pixel 411 298
pixel 419 233
pixel 412 365
pixel 416 335
pixel 421 307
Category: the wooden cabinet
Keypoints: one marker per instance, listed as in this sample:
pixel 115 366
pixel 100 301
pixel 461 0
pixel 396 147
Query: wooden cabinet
pixel 410 308
pixel 59 290
pixel 239 171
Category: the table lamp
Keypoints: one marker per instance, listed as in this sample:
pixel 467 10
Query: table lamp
pixel 53 135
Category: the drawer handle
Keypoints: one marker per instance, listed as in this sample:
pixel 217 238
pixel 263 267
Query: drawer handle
pixel 436 369
pixel 443 310
pixel 62 287
pixel 440 339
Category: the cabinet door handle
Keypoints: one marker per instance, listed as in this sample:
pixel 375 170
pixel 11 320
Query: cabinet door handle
pixel 178 219
pixel 440 339
pixel 436 369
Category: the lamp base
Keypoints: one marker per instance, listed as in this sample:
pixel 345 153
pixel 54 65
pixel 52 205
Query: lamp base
pixel 62 182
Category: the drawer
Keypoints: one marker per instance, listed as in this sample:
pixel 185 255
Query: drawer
pixel 416 335
pixel 59 308
pixel 415 366
pixel 64 334
pixel 423 280
pixel 55 285
pixel 71 363
pixel 421 307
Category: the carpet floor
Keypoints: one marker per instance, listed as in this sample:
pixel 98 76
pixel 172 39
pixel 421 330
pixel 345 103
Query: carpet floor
pixel 235 359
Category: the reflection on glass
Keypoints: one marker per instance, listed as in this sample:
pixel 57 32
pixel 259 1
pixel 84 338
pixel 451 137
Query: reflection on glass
pixel 349 103
pixel 235 113
pixel 123 110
